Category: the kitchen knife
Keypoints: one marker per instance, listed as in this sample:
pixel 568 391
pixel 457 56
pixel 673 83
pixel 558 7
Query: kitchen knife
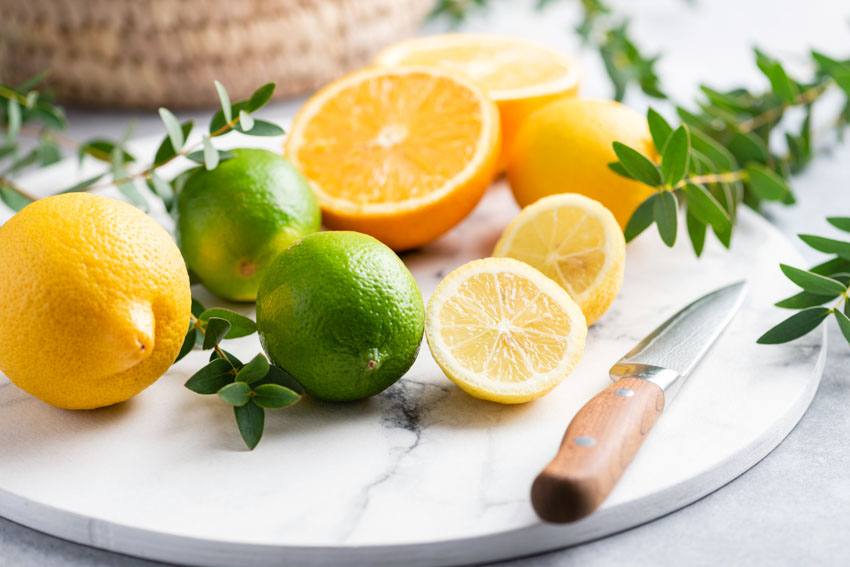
pixel 607 431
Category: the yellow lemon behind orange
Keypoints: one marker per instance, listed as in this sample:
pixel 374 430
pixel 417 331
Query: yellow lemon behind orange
pixel 566 147
pixel 95 298
pixel 521 76
pixel 401 154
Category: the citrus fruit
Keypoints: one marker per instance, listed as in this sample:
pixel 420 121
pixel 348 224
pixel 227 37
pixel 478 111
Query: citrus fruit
pixel 340 312
pixel 576 242
pixel 95 300
pixel 503 331
pixel 566 146
pixel 234 220
pixel 402 154
pixel 519 75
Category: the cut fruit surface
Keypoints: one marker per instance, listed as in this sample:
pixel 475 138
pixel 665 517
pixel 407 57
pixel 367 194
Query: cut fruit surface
pixel 575 241
pixel 503 331
pixel 519 75
pixel 400 154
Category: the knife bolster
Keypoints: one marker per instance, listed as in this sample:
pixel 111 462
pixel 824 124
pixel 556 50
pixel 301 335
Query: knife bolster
pixel 665 378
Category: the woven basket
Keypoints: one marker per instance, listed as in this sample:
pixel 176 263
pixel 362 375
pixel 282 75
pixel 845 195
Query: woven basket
pixel 147 53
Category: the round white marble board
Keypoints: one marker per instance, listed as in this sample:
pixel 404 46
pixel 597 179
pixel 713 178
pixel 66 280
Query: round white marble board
pixel 423 473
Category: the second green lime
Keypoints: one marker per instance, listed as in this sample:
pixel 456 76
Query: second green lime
pixel 342 314
pixel 234 220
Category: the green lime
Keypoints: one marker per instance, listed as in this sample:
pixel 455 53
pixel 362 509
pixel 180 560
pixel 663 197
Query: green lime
pixel 234 220
pixel 342 314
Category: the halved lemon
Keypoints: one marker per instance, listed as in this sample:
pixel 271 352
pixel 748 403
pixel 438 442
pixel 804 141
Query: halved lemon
pixel 519 75
pixel 575 241
pixel 402 154
pixel 503 331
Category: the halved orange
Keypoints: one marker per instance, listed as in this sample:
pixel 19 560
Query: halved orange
pixel 519 75
pixel 402 154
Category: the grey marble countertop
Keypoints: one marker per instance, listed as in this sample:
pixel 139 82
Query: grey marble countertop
pixel 793 508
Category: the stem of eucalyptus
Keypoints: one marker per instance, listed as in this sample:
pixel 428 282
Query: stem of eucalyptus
pixel 203 331
pixel 806 97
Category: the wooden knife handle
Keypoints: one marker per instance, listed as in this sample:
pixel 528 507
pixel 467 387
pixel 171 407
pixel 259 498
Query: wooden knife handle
pixel 599 444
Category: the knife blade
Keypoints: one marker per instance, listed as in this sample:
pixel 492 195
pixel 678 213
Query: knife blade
pixel 606 433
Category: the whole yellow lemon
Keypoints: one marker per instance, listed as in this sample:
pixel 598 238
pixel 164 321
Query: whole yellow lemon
pixel 95 300
pixel 566 146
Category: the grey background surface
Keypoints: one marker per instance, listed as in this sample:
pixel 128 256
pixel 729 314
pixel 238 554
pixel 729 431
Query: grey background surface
pixel 793 508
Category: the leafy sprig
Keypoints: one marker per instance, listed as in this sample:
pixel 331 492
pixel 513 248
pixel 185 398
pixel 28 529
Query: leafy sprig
pixel 250 388
pixel 723 156
pixel 826 282
pixel 231 117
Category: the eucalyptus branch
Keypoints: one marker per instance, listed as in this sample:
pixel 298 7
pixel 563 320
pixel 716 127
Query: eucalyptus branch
pixel 807 97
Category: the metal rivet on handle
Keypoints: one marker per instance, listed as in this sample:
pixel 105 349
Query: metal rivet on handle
pixel 625 392
pixel 585 441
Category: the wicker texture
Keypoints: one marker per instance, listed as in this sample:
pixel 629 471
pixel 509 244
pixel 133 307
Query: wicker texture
pixel 147 53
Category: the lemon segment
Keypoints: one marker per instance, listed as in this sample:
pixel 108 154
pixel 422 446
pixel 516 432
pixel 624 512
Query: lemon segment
pixel 575 241
pixel 504 332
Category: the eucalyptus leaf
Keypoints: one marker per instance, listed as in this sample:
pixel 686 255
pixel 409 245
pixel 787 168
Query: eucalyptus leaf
pixel 766 184
pixel 210 154
pixel 804 299
pixel 262 128
pixel 843 323
pixel 795 326
pixel 84 184
pixel 13 118
pixel 641 219
pixel 705 207
pixel 260 97
pixel 251 420
pixel 166 149
pixel 841 223
pixel 828 245
pixel 12 198
pixel 674 158
pixel 229 356
pixel 101 149
pixel 211 378
pixel 224 98
pixel 214 332
pixel 658 128
pixel 245 121
pixel 48 152
pixel 666 217
pixel 236 394
pixel 255 370
pixel 188 343
pixel 173 127
pixel 618 168
pixel 719 156
pixel 638 165
pixel 273 396
pixel 813 283
pixel 161 188
pixel 696 232
pixel 240 326
pixel 281 377
pixel 200 156
pixel 747 147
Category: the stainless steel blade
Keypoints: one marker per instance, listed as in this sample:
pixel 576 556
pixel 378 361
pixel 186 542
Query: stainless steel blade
pixel 669 354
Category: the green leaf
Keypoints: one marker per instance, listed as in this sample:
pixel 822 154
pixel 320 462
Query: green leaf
pixel 48 152
pixel 173 127
pixel 234 362
pixel 214 332
pixel 843 324
pixel 211 378
pixel 12 198
pixel 236 394
pixel 260 97
pixel 618 168
pixel 273 396
pixel 166 149
pixel 283 378
pixel 747 147
pixel 638 165
pixel 666 217
pixel 251 420
pixel 641 219
pixel 200 157
pixel 197 308
pixel 161 188
pixel 840 72
pixel 766 184
pixel 188 343
pixel 696 232
pixel 26 160
pixel 813 283
pixel 254 370
pixel 705 207
pixel 804 299
pixel 224 98
pixel 218 122
pixel 210 154
pixel 13 119
pixel 245 121
pixel 827 245
pixel 674 158
pixel 830 267
pixel 782 86
pixel 261 128
pixel 719 156
pixel 84 184
pixel 240 326
pixel 795 326
pixel 841 223
pixel 658 128
pixel 101 149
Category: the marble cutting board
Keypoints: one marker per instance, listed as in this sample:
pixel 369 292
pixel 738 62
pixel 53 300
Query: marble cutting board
pixel 421 474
